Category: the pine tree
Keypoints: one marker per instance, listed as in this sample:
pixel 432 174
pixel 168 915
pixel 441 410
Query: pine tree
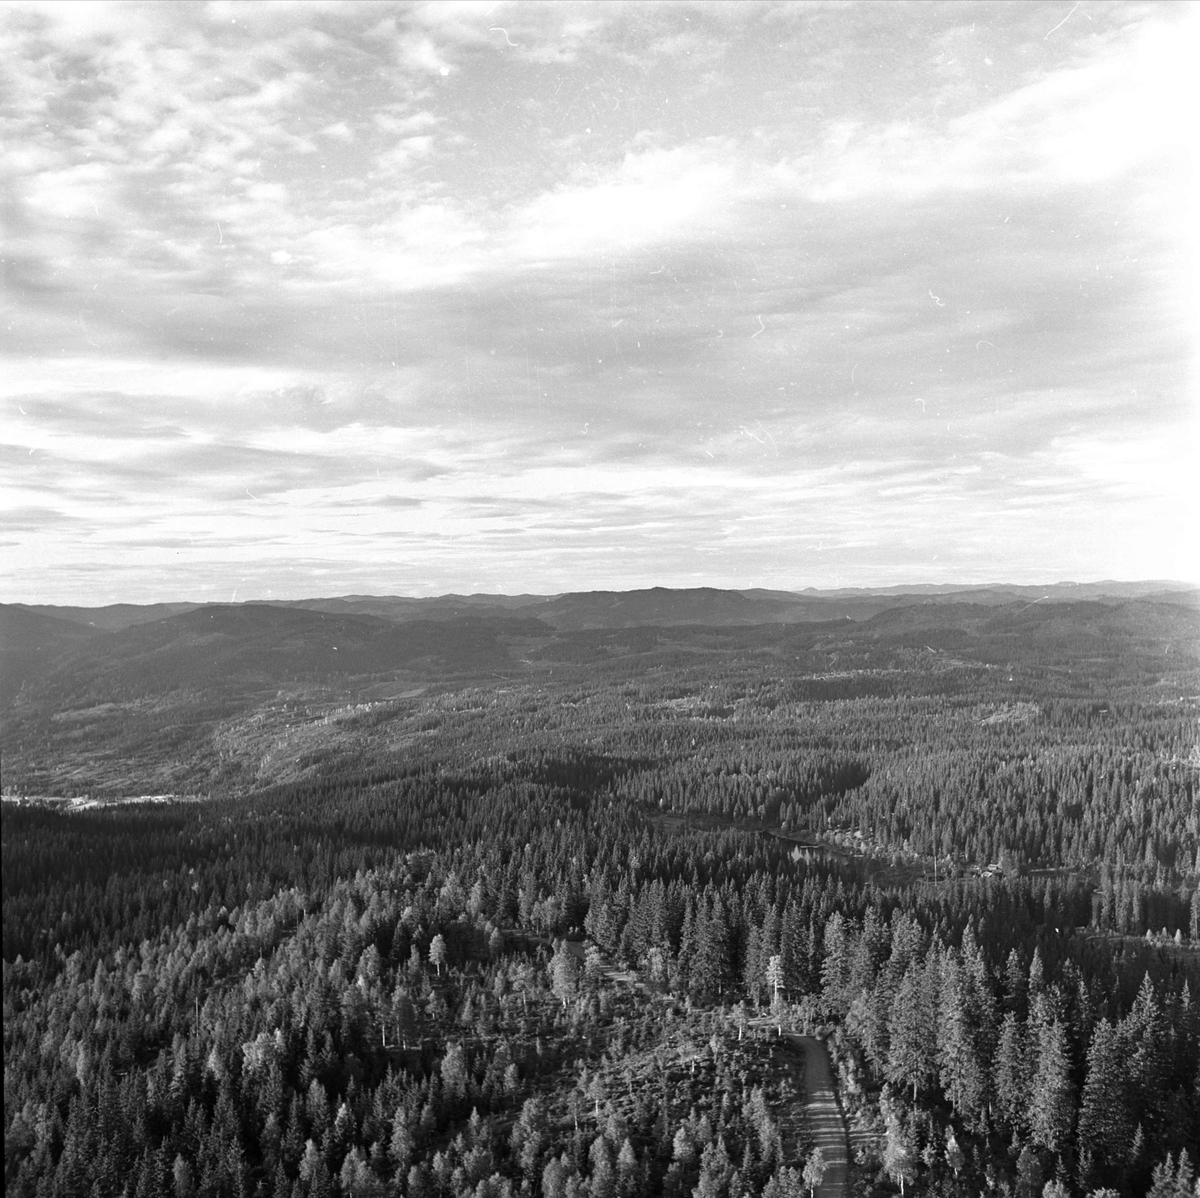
pixel 711 967
pixel 1105 1122
pixel 401 1143
pixel 529 1136
pixel 603 1180
pixel 1173 1179
pixel 793 941
pixel 628 1170
pixel 1052 1105
pixel 754 966
pixel 1016 985
pixel 715 1171
pixel 983 1011
pixel 316 1104
pixel 454 1072
pixel 1012 1074
pixel 872 1012
pixel 183 1178
pixel 835 972
pixel 1029 1174
pixel 960 1067
pixel 554 1179
pixel 912 1055
pixel 154 1173
pixel 1143 1032
pixel 292 1147
pixel 75 1164
pixel 564 974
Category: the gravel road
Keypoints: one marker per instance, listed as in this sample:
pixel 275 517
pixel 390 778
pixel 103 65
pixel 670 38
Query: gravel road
pixel 824 1114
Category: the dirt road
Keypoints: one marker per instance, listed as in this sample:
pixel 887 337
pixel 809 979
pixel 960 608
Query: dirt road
pixel 824 1114
pixel 825 1121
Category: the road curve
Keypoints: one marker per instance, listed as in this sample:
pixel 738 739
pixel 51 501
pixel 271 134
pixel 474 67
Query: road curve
pixel 825 1122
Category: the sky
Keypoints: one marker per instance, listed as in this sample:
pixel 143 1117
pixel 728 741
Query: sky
pixel 333 298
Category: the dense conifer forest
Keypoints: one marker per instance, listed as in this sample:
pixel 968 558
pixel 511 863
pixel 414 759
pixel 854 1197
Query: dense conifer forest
pixel 514 907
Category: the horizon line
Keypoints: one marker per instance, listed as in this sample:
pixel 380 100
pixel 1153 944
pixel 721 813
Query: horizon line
pixel 801 593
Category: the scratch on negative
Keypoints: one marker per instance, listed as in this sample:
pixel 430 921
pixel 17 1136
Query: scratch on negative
pixel 762 328
pixel 1065 19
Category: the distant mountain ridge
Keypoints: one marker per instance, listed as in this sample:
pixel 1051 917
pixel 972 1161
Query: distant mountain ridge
pixel 653 605
pixel 177 694
pixel 112 616
pixel 1110 588
pixel 166 646
pixel 255 645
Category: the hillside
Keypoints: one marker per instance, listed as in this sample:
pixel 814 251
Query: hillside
pixel 254 646
pixel 493 906
pixel 209 697
pixel 29 641
pixel 655 605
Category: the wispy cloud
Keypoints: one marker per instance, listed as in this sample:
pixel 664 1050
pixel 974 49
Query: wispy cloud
pixel 569 295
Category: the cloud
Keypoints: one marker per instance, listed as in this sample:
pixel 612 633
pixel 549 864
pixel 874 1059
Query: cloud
pixel 532 286
pixel 1083 125
pixel 31 519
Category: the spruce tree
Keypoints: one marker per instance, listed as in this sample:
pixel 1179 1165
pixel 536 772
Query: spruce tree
pixel 1052 1100
pixel 960 1068
pixel 912 1055
pixel 1012 1073
pixel 1105 1122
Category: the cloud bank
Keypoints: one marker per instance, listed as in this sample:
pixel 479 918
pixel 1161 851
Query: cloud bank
pixel 420 298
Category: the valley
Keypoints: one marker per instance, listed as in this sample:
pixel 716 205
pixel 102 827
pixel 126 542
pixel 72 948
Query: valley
pixel 305 901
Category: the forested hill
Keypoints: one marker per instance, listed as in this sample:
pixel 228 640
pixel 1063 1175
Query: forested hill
pixel 655 605
pixel 190 700
pixel 503 902
pixel 29 641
